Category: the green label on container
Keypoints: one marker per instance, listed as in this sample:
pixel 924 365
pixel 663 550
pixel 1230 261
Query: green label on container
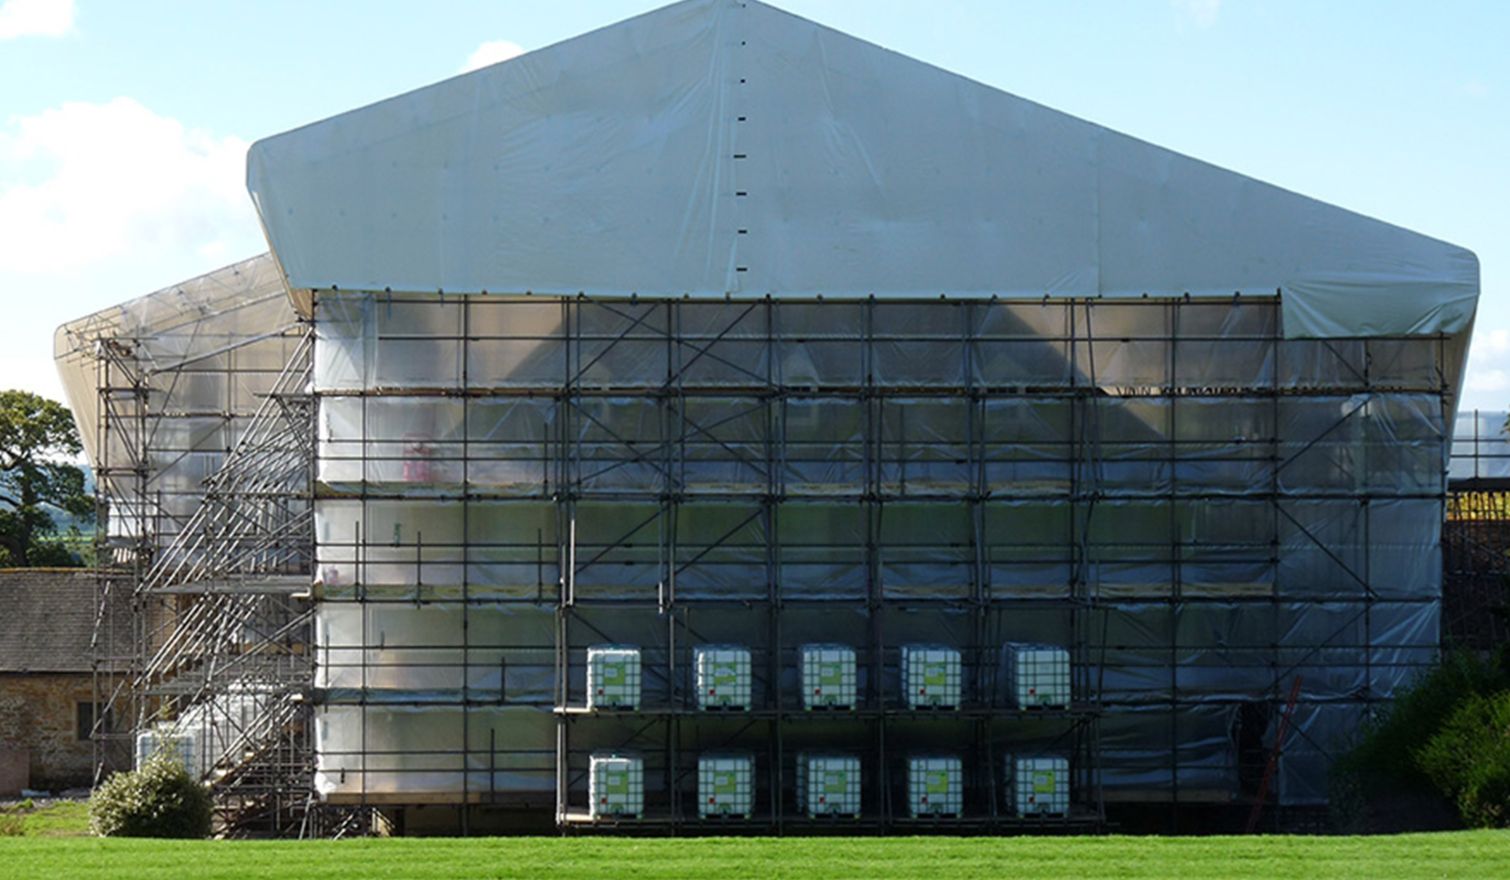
pixel 831 674
pixel 936 782
pixel 1043 781
pixel 836 782
pixel 615 782
pixel 935 674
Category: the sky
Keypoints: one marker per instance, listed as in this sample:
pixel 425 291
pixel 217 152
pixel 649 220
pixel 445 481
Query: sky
pixel 124 125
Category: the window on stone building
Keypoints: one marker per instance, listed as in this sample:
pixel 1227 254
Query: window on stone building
pixel 87 713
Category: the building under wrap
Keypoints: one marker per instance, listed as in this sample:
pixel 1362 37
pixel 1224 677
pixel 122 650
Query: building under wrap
pixel 716 327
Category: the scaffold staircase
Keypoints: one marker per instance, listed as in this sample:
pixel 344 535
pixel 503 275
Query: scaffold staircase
pixel 233 654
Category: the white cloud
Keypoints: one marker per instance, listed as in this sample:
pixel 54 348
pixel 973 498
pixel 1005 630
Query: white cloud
pixel 1476 88
pixel 1487 381
pixel 83 183
pixel 492 52
pixel 35 18
pixel 1202 13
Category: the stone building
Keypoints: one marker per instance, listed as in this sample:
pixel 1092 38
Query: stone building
pixel 47 708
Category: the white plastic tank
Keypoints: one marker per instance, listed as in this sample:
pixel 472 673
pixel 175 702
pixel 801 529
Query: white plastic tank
pixel 1038 786
pixel 935 786
pixel 828 784
pixel 723 676
pixel 180 746
pixel 613 677
pixel 931 677
pixel 725 784
pixel 615 785
pixel 1036 675
pixel 828 676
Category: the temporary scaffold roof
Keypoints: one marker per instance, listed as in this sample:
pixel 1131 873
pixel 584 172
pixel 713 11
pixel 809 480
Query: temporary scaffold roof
pixel 165 334
pixel 724 147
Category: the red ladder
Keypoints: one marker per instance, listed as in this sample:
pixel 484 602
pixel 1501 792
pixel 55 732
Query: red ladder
pixel 1273 766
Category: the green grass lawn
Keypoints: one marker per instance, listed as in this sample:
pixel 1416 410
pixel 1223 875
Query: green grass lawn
pixel 57 819
pixel 1457 854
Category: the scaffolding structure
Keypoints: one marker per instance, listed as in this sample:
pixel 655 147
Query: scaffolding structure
pixel 1200 509
pixel 796 348
pixel 1480 450
pixel 231 666
pixel 201 438
pixel 1476 537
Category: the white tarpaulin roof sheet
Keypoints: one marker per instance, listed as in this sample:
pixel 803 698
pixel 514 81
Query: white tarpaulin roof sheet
pixel 187 329
pixel 718 147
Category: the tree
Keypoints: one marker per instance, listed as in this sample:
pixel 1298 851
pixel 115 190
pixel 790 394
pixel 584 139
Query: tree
pixel 38 445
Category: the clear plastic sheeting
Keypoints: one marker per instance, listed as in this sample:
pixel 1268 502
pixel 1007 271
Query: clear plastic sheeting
pixel 1480 446
pixel 162 387
pixel 434 652
pixel 1198 509
pixel 377 750
pixel 390 341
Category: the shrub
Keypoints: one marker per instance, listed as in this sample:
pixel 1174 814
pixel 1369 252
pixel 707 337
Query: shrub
pixel 12 824
pixel 1383 768
pixel 1388 751
pixel 1468 760
pixel 159 799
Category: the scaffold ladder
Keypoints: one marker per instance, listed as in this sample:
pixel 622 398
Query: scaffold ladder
pixel 1273 766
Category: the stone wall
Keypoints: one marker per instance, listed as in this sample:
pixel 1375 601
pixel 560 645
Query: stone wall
pixel 39 713
pixel 46 622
